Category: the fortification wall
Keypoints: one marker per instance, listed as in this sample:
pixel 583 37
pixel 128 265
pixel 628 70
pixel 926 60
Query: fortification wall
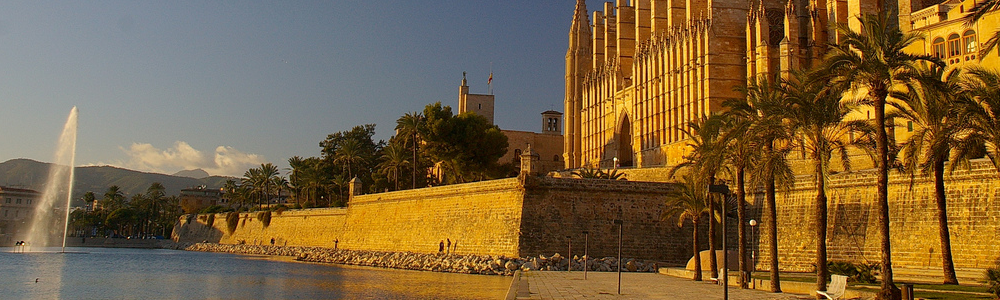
pixel 558 209
pixel 973 215
pixel 480 218
pixel 507 217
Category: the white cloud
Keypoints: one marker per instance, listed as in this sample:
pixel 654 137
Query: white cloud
pixel 225 161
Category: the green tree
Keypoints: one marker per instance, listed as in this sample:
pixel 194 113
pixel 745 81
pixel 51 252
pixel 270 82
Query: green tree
pixel 818 117
pixel 354 151
pixel 980 110
pixel 393 158
pixel 765 99
pixel 408 129
pixel 872 60
pixel 928 105
pixel 754 124
pixel 976 13
pixel 113 199
pixel 689 202
pixel 706 159
pixel 467 146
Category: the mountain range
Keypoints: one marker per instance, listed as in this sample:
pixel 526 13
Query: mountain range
pixel 31 174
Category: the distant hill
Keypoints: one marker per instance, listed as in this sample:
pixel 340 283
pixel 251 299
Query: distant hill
pixel 32 174
pixel 196 173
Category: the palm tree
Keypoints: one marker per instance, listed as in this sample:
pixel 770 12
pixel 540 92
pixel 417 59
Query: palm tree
pixel 764 100
pixel 349 153
pixel 872 60
pixel 689 201
pixel 980 112
pixel 705 160
pixel 154 195
pixel 928 105
pixel 113 199
pixel 976 13
pixel 393 158
pixel 280 184
pixel 267 172
pixel 408 127
pixel 230 192
pixel 818 117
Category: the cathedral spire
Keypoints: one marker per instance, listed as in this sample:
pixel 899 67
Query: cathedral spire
pixel 578 64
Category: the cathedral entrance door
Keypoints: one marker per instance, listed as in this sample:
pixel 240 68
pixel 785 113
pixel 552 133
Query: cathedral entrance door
pixel 625 143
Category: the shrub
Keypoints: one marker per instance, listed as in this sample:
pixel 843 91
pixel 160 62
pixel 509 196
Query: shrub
pixel 211 220
pixel 280 209
pixel 214 209
pixel 860 273
pixel 232 220
pixel 991 276
pixel 264 217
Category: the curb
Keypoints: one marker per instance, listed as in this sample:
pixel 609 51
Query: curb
pixel 512 290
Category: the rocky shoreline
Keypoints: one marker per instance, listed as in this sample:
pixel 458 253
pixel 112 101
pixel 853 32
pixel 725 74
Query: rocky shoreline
pixel 453 263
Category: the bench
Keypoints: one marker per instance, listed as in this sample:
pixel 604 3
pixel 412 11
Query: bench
pixel 836 289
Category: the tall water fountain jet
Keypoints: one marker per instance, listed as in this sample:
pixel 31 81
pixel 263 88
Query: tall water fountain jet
pixel 45 225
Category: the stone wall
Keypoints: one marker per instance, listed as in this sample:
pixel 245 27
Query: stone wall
pixel 973 214
pixel 559 208
pixel 514 217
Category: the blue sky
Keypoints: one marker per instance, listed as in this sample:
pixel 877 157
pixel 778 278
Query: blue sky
pixel 226 85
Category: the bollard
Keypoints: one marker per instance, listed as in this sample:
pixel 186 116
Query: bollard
pixel 907 291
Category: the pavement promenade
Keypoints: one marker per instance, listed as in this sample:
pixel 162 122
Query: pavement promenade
pixel 604 285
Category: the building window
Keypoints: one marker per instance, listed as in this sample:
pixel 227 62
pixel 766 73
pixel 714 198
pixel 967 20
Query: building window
pixel 8 200
pixel 954 48
pixel 969 40
pixel 939 51
pixel 555 157
pixel 27 201
pixel 909 126
pixel 18 201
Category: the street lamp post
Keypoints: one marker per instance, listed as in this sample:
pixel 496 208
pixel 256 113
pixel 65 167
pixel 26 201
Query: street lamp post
pixel 724 190
pixel 753 250
pixel 569 254
pixel 586 248
pixel 619 223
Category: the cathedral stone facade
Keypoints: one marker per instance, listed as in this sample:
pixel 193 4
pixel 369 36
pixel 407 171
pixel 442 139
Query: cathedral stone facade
pixel 639 71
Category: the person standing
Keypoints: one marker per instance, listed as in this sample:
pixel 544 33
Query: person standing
pixel 441 247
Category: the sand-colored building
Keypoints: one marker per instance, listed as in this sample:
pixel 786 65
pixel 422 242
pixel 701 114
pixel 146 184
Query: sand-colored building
pixel 17 206
pixel 639 71
pixel 547 144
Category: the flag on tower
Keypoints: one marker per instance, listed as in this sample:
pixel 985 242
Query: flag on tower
pixel 490 81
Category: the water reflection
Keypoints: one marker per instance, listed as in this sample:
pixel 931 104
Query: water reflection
pixel 100 273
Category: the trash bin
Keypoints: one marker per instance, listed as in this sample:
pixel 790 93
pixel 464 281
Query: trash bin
pixel 907 291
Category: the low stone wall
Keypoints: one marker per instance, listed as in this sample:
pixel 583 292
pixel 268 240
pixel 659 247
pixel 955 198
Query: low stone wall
pixel 452 263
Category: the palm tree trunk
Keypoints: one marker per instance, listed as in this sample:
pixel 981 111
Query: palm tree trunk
pixel 888 289
pixel 713 259
pixel 942 204
pixel 414 162
pixel 822 272
pixel 694 248
pixel 741 211
pixel 773 231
